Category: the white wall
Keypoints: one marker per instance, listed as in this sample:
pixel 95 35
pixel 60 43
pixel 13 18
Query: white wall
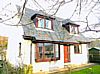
pixel 48 66
pixel 39 66
pixel 79 58
pixel 14 35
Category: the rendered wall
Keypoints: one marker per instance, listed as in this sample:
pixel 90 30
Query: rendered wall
pixel 79 58
pixel 48 66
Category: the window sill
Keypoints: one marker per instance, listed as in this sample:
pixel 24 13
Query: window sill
pixel 77 53
pixel 46 60
pixel 74 34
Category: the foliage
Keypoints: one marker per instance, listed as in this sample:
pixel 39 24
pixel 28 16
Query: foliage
pixel 13 70
pixel 10 69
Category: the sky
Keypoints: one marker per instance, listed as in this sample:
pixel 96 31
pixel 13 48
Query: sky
pixel 65 11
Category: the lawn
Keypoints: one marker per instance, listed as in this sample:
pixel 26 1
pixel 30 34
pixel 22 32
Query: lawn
pixel 91 70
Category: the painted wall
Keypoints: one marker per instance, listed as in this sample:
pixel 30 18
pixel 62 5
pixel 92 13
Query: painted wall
pixel 41 66
pixel 14 35
pixel 49 66
pixel 79 58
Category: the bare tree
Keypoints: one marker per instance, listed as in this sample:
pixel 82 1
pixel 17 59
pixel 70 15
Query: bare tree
pixel 88 6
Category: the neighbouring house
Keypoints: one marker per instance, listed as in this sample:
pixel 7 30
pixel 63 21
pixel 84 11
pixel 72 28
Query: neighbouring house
pixel 47 42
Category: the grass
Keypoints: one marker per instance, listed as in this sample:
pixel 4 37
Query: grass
pixel 91 70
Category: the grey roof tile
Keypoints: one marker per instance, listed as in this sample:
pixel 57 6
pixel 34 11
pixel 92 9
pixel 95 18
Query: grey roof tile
pixel 59 33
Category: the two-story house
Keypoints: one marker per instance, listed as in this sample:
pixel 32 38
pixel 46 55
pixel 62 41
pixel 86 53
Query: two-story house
pixel 47 42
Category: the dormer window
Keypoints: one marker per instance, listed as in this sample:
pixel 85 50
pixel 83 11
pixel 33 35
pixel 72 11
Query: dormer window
pixel 71 28
pixel 41 21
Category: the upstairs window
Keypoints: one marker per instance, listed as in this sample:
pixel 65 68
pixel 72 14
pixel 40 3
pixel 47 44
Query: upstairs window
pixel 49 24
pixel 44 22
pixel 40 23
pixel 72 28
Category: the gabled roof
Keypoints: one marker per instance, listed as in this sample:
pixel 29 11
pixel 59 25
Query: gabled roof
pixel 60 34
pixel 69 22
pixel 94 48
pixel 43 15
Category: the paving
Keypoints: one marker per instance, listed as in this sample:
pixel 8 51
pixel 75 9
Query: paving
pixel 68 69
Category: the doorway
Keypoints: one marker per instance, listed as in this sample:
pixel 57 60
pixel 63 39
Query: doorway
pixel 66 53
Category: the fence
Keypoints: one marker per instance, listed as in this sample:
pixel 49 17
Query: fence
pixel 94 58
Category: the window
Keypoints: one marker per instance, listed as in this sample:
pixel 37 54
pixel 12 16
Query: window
pixel 47 52
pixel 48 24
pixel 19 49
pixel 77 49
pixel 73 29
pixel 44 23
pixel 40 22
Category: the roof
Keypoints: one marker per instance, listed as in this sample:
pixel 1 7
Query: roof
pixel 48 17
pixel 94 49
pixel 69 22
pixel 78 39
pixel 60 34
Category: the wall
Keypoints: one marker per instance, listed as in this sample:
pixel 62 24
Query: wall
pixel 14 35
pixel 47 66
pixel 39 66
pixel 79 58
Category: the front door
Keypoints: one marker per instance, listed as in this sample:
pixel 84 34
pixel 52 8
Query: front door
pixel 66 54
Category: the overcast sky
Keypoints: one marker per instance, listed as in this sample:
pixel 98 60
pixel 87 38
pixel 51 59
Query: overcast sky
pixel 65 11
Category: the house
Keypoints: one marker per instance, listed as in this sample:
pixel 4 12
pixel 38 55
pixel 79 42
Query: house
pixel 47 42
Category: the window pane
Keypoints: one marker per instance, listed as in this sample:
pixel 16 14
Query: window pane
pixel 76 30
pixel 57 51
pixel 48 24
pixel 77 49
pixel 41 22
pixel 40 45
pixel 73 30
pixel 49 50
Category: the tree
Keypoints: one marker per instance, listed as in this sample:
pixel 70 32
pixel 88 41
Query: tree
pixel 81 7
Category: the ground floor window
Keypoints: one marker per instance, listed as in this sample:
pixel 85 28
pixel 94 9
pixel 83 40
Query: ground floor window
pixel 47 52
pixel 77 48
